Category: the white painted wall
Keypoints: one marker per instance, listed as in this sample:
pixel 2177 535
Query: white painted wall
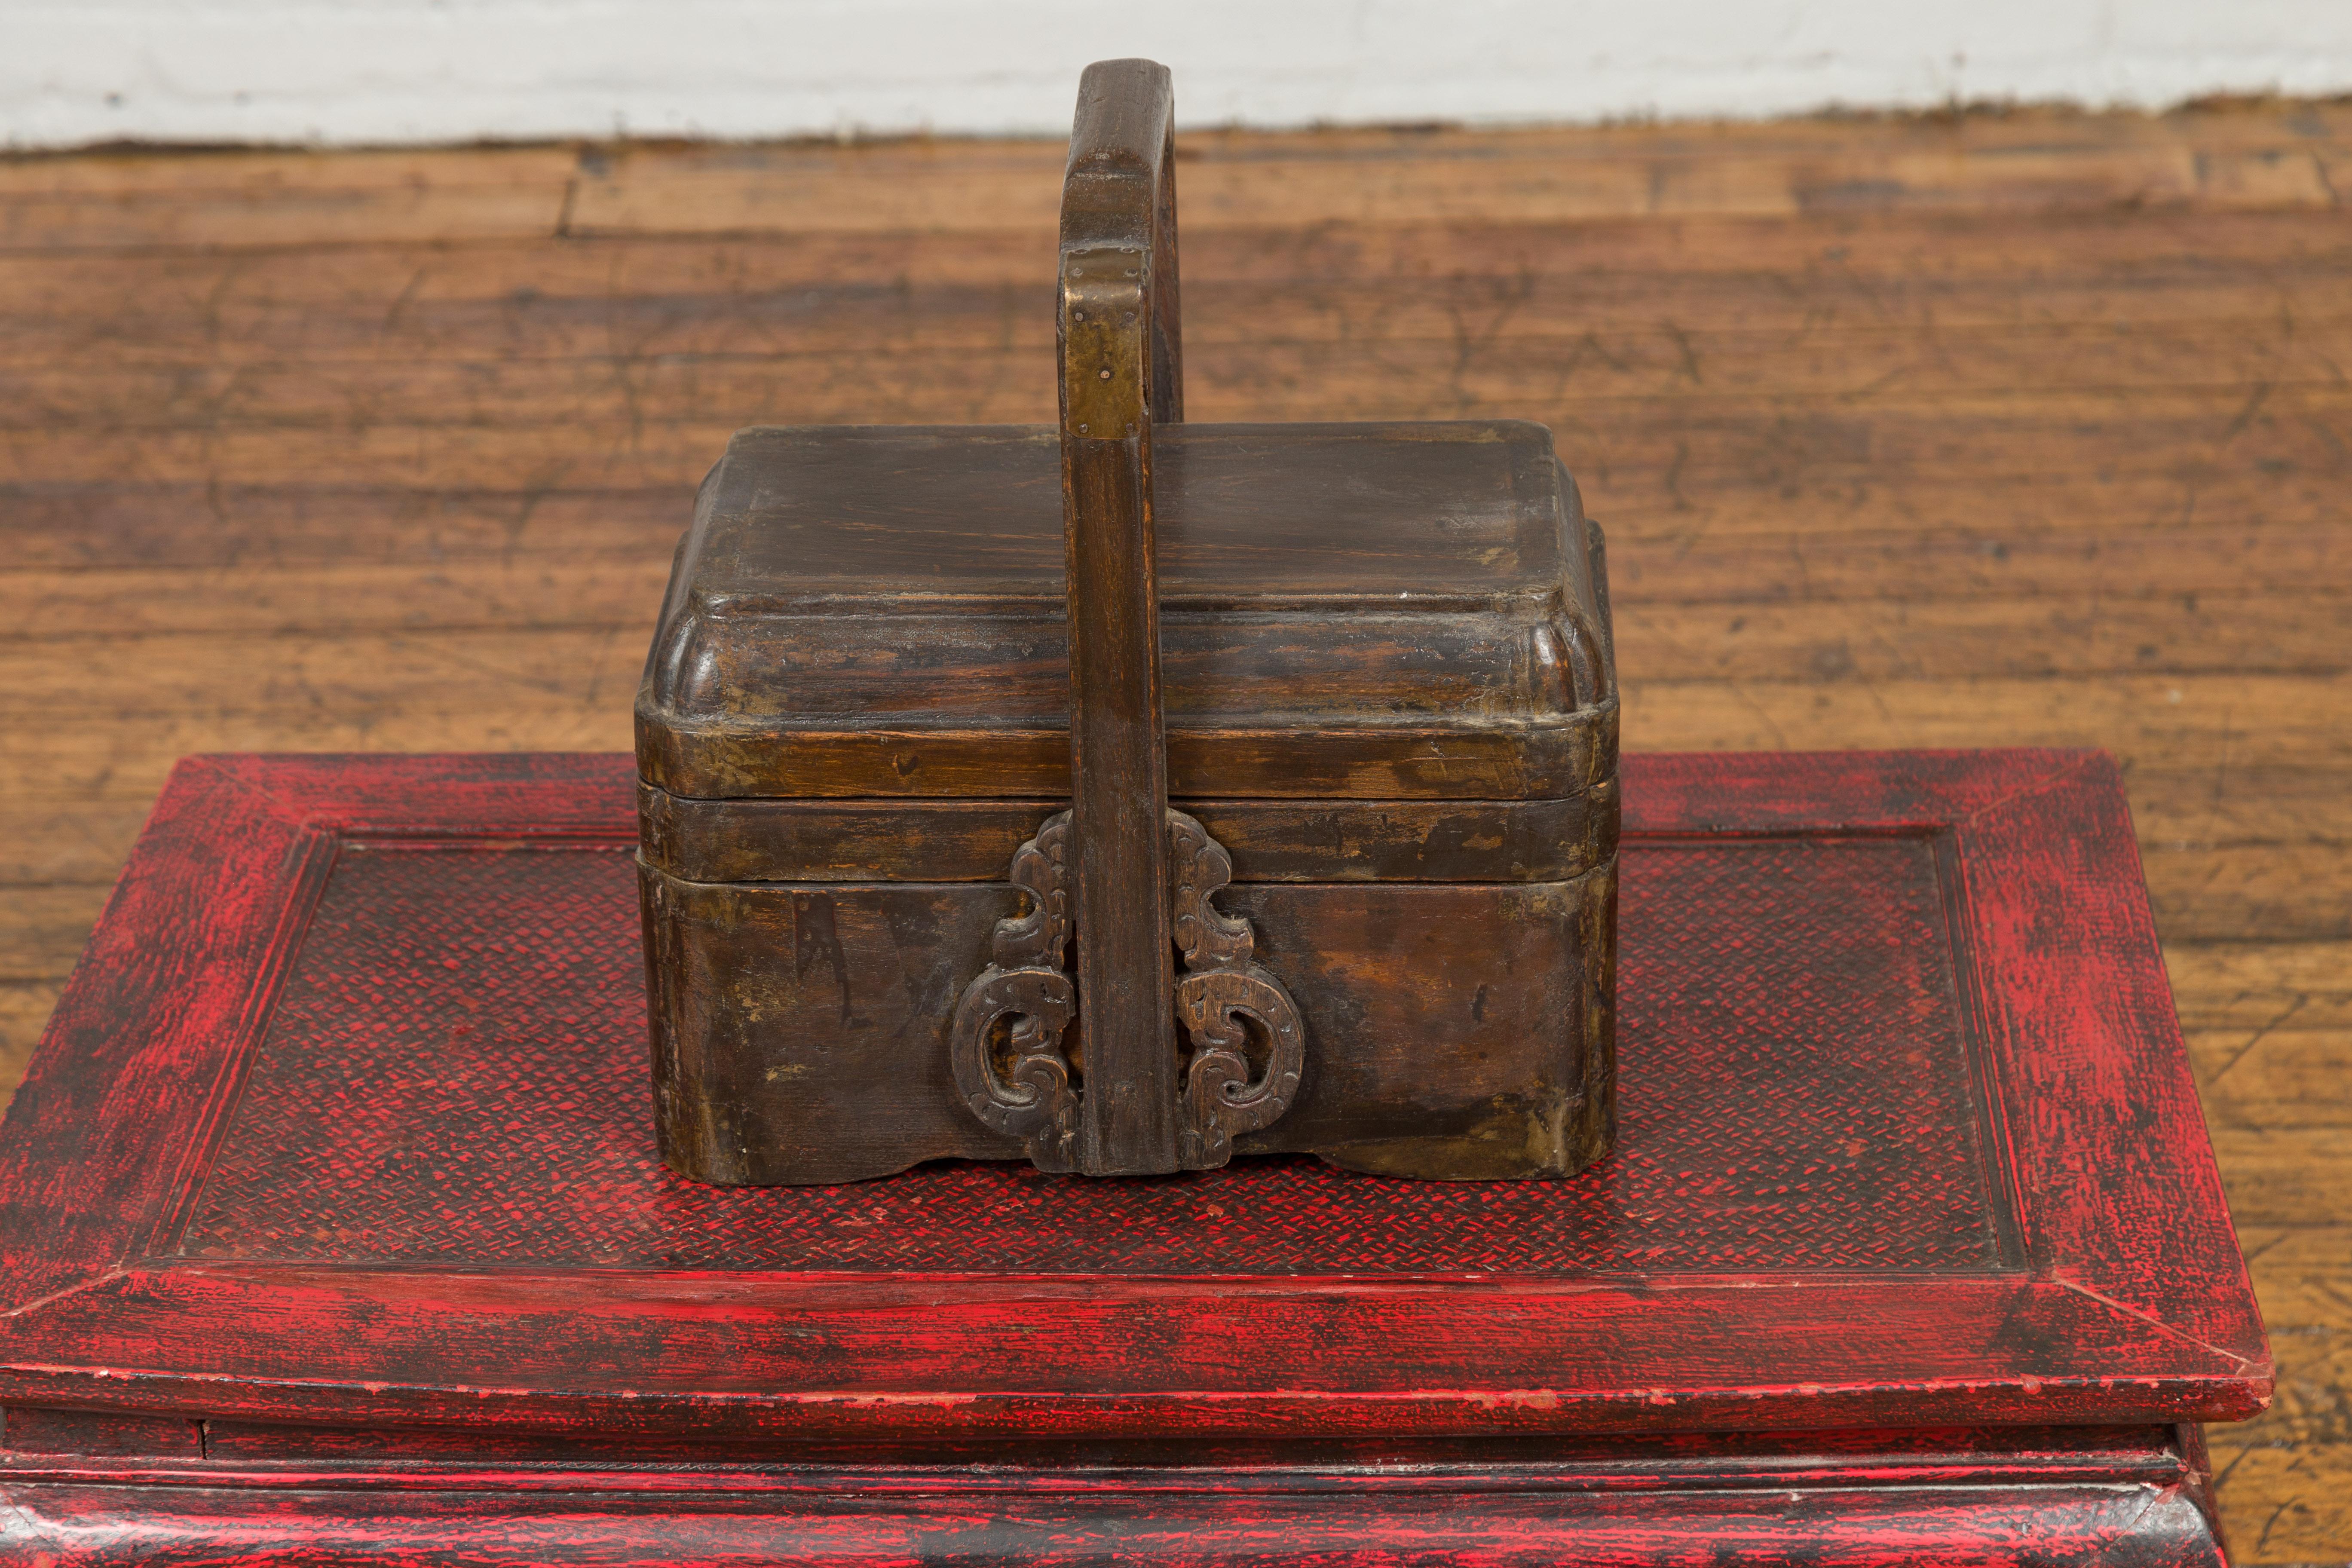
pixel 362 71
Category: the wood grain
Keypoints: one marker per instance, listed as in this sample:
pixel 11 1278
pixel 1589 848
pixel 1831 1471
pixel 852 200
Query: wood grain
pixel 1980 430
pixel 2284 1474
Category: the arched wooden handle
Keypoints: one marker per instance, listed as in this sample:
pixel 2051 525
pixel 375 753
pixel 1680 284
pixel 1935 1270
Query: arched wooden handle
pixel 1121 370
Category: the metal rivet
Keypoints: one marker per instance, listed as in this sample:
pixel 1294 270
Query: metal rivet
pixel 1105 375
pixel 1077 315
pixel 1082 429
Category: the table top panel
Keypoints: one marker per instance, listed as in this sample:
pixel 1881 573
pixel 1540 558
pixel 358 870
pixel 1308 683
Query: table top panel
pixel 455 1073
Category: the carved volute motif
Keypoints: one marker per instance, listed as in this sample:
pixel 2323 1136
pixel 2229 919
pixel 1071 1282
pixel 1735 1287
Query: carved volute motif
pixel 1019 1081
pixel 1024 1089
pixel 1224 1091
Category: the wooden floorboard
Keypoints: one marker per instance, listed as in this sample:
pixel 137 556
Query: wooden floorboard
pixel 2026 428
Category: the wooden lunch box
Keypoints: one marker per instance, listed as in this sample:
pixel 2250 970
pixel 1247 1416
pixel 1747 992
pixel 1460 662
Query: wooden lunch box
pixel 1131 796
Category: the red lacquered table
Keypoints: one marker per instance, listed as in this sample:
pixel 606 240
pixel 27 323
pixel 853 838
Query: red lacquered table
pixel 331 1230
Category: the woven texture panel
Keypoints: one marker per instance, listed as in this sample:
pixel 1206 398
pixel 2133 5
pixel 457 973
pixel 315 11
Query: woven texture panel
pixel 455 1073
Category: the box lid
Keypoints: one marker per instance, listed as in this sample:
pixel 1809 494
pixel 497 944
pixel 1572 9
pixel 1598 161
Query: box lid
pixel 1345 610
pixel 343 1119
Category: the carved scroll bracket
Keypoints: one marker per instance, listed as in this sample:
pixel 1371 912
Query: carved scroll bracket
pixel 1018 1081
pixel 1225 1092
pixel 1022 1087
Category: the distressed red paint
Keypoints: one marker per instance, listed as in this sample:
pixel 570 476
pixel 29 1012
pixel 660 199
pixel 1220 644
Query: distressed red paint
pixel 274 1164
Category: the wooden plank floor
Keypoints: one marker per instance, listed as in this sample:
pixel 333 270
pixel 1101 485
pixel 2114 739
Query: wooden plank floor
pixel 2027 429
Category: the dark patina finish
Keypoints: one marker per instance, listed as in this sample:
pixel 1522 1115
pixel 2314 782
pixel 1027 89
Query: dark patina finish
pixel 1132 795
